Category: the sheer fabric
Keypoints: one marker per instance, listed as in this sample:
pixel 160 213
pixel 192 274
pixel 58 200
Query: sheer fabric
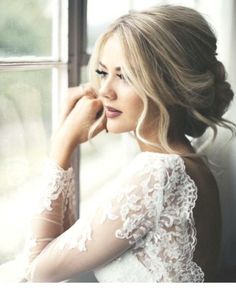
pixel 140 230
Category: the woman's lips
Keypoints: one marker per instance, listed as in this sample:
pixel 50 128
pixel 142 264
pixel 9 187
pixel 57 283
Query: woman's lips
pixel 112 112
pixel 112 109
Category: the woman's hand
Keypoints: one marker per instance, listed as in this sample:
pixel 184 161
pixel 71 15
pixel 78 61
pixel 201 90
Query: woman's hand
pixel 79 112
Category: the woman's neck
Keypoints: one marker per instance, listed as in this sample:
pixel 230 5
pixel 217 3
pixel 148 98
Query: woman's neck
pixel 178 145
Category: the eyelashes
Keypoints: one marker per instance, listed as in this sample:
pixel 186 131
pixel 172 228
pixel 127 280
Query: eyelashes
pixel 103 74
pixel 121 77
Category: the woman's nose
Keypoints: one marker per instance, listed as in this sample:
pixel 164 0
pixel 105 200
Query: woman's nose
pixel 107 91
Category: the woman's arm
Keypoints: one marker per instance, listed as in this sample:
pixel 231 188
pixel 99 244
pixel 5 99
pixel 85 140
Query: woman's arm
pixel 124 216
pixel 55 210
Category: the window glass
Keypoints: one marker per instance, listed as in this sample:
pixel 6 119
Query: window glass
pixel 30 93
pixel 26 27
pixel 25 127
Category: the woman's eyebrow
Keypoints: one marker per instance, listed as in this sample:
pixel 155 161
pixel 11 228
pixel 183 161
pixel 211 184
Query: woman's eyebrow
pixel 118 68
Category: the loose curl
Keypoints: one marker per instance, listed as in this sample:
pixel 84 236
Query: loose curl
pixel 170 60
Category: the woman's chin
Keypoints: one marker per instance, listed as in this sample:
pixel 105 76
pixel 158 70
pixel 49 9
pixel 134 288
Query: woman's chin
pixel 114 130
pixel 118 128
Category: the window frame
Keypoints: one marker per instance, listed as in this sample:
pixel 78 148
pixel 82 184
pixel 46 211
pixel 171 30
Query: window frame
pixel 77 57
pixel 73 57
pixel 57 62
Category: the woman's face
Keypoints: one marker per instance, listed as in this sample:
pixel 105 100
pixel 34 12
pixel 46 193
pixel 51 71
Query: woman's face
pixel 115 91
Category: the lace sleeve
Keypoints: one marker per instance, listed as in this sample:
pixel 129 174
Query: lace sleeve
pixel 54 211
pixel 127 212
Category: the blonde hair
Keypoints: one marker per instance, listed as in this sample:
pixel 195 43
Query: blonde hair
pixel 170 60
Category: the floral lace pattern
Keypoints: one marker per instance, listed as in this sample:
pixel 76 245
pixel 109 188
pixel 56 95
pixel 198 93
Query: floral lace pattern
pixel 155 204
pixel 172 245
pixel 137 213
pixel 167 249
pixel 57 183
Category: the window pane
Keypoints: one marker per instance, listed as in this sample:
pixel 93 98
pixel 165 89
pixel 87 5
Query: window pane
pixel 26 27
pixel 25 127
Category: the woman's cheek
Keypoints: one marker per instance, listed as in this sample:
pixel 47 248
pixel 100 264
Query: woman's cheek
pixel 137 105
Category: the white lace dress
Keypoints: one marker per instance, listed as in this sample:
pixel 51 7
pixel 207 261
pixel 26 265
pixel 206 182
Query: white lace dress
pixel 140 230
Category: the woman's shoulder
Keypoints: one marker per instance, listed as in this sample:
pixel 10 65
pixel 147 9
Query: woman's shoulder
pixel 147 157
pixel 154 167
pixel 157 162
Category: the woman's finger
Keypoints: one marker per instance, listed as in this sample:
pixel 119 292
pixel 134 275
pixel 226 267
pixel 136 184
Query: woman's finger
pixel 71 98
pixel 74 94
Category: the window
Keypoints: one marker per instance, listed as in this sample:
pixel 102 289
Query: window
pixel 33 76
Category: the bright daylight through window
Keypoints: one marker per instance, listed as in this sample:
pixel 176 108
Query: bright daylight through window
pixel 33 74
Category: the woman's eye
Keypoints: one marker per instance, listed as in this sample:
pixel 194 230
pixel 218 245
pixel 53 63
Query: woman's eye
pixel 121 77
pixel 101 73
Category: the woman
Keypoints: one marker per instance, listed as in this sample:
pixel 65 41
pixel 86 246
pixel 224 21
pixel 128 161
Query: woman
pixel 159 221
